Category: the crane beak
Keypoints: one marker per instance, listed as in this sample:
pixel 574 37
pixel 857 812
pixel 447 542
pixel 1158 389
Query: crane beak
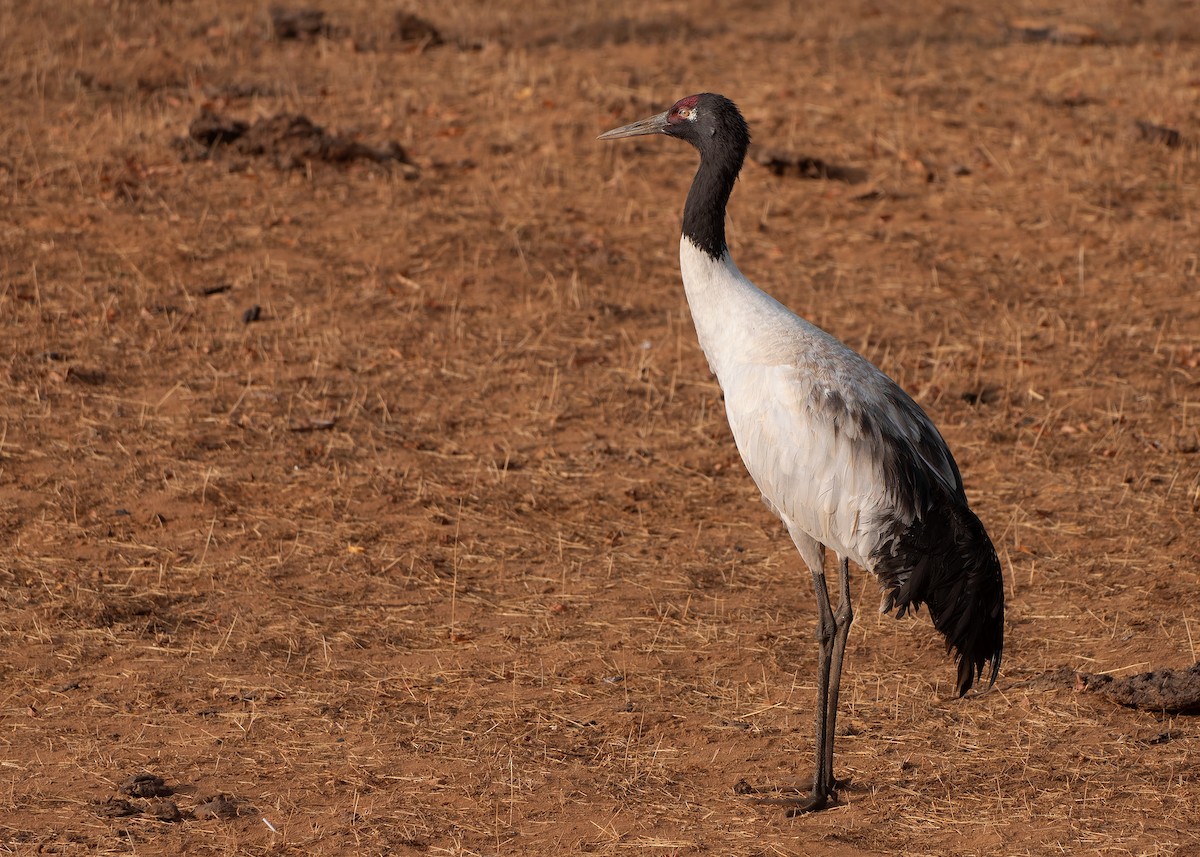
pixel 652 125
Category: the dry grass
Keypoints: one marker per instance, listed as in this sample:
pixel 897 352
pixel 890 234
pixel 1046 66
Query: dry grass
pixel 451 553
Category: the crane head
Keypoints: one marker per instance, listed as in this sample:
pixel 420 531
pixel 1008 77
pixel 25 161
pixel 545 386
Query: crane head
pixel 707 121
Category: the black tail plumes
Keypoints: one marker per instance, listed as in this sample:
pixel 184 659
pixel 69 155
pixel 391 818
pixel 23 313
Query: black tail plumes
pixel 945 560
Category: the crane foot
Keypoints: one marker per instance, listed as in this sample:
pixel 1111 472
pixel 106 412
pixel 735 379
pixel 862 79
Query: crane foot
pixel 813 803
pixel 800 805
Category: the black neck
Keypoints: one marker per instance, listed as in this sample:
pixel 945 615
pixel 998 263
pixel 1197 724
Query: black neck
pixel 704 211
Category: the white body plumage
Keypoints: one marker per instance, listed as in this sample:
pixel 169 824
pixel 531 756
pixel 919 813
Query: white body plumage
pixel 792 393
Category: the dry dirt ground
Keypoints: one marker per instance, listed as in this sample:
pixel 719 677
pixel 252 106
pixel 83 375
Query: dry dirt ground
pixel 362 478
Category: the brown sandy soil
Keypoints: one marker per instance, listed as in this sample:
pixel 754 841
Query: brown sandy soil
pixel 445 548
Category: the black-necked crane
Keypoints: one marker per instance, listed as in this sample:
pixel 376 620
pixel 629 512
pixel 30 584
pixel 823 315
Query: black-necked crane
pixel 845 458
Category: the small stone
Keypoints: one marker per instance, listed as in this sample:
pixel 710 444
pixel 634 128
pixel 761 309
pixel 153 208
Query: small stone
pixel 220 806
pixel 146 785
pixel 115 807
pixel 166 810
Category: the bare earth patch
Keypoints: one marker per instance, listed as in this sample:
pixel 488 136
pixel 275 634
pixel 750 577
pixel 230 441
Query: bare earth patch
pixel 364 490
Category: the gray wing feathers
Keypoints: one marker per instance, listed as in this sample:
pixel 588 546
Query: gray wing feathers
pixel 837 450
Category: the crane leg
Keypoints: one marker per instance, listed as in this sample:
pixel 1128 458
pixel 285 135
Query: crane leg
pixel 833 629
pixel 842 618
pixel 822 784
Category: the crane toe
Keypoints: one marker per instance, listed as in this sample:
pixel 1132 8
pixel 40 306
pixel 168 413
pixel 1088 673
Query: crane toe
pixel 813 803
pixel 800 805
pixel 804 801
